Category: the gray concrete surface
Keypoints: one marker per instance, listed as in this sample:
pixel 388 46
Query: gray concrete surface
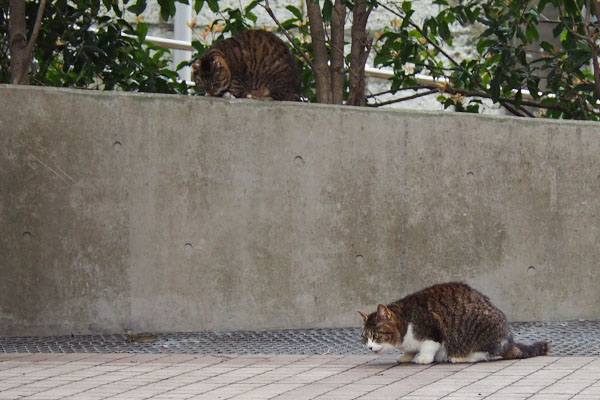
pixel 164 213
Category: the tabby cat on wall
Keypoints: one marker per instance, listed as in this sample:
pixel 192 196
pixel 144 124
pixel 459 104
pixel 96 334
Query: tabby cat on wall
pixel 254 64
pixel 446 322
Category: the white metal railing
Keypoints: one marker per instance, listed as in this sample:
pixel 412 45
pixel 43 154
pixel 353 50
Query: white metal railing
pixel 168 43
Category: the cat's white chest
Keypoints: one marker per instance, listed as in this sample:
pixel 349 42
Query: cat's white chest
pixel 424 351
pixel 410 343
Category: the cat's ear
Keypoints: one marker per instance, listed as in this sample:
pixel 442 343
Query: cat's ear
pixel 215 64
pixel 383 312
pixel 363 315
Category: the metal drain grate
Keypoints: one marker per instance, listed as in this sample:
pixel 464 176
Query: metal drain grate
pixel 569 338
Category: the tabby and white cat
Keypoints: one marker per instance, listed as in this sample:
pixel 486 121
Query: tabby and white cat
pixel 446 322
pixel 254 64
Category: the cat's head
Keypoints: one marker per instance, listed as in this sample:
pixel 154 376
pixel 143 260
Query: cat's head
pixel 212 73
pixel 380 330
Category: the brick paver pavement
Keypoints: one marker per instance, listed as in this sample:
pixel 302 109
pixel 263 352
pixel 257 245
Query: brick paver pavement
pixel 294 377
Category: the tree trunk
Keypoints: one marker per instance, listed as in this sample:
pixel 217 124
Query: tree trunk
pixel 361 46
pixel 17 34
pixel 594 50
pixel 338 17
pixel 321 67
pixel 21 50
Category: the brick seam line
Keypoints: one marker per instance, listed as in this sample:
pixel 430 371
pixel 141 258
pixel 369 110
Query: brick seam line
pixel 278 380
pixel 591 384
pixel 125 357
pixel 399 380
pixel 41 370
pixel 482 378
pixel 222 360
pixel 521 378
pixel 306 384
pixel 238 381
pixel 16 359
pixel 327 377
pixel 393 365
pixel 569 374
pixel 430 366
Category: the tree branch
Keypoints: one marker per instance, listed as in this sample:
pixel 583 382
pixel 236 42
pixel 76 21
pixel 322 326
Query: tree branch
pixel 360 48
pixel 594 51
pixel 411 97
pixel 287 34
pixel 17 34
pixel 338 17
pixel 474 93
pixel 321 67
pixel 393 91
pixel 511 109
pixel 21 50
pixel 36 29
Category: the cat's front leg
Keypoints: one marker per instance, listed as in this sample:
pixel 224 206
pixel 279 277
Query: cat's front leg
pixel 260 94
pixel 406 357
pixel 427 352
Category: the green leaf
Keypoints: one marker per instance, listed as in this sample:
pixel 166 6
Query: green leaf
pixel 518 98
pixel 585 87
pixel 327 9
pixel 167 9
pixel 578 57
pixel 251 17
pixel 199 46
pixel 542 5
pixel 407 6
pixel 289 23
pixel 483 45
pixel 547 47
pixel 297 13
pixel 198 4
pixel 444 31
pixel 213 5
pixel 141 30
pixel 495 90
pixel 532 86
pixel 531 33
pixel 558 29
pixel 251 6
pixel 138 7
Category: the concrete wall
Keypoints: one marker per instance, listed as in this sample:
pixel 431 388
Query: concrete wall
pixel 166 213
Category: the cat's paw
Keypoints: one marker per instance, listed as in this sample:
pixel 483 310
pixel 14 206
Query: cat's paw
pixel 423 359
pixel 473 357
pixel 228 95
pixel 254 97
pixel 406 357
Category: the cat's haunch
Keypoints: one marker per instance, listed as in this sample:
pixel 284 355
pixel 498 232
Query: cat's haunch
pixel 446 322
pixel 254 64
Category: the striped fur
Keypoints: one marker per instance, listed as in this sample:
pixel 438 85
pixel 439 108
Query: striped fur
pixel 254 63
pixel 464 322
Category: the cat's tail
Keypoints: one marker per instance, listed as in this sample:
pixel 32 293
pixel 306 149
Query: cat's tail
pixel 520 350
